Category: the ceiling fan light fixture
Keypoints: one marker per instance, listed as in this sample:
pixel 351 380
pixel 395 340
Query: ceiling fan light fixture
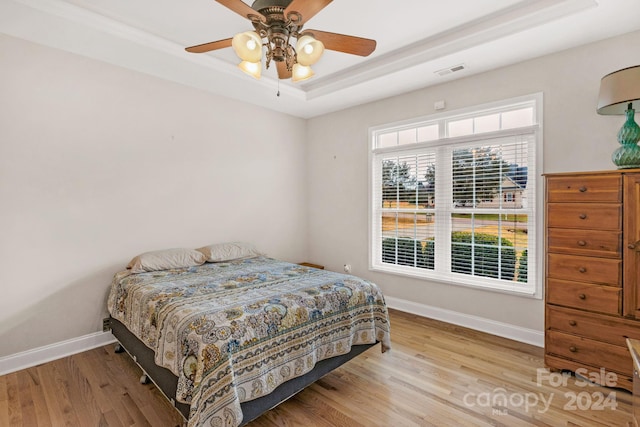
pixel 254 69
pixel 309 50
pixel 277 23
pixel 248 46
pixel 301 72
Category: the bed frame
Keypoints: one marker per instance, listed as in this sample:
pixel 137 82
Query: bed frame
pixel 167 382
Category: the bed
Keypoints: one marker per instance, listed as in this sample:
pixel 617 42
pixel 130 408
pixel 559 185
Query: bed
pixel 228 340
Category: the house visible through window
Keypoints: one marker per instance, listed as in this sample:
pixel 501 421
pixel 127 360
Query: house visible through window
pixel 454 197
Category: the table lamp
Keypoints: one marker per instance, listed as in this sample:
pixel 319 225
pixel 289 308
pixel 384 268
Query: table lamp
pixel 619 94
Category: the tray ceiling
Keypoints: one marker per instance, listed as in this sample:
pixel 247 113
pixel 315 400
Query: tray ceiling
pixel 419 42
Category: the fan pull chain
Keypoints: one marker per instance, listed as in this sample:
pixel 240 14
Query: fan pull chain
pixel 278 94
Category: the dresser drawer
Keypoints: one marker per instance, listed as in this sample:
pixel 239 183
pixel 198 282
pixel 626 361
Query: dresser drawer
pixel 594 216
pixel 589 351
pixel 591 325
pixel 593 373
pixel 603 271
pixel 600 298
pixel 592 188
pixel 585 242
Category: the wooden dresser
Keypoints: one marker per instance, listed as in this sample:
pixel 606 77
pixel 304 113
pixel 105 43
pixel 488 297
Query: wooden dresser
pixel 592 257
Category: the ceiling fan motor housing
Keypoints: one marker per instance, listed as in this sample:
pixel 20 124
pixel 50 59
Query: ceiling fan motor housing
pixel 260 5
pixel 277 30
pixel 278 37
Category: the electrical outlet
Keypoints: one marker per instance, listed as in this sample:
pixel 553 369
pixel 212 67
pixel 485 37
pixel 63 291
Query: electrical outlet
pixel 347 268
pixel 106 324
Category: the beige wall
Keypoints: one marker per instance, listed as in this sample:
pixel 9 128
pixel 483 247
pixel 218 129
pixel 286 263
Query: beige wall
pixel 99 163
pixel 575 139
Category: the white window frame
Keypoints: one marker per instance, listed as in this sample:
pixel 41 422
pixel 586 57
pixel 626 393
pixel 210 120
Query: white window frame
pixel 533 288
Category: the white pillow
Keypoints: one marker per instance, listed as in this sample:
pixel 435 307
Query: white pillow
pixel 166 259
pixel 220 252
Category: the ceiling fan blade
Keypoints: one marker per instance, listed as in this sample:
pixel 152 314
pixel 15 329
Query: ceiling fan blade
pixel 207 47
pixel 283 73
pixel 347 44
pixel 243 9
pixel 306 8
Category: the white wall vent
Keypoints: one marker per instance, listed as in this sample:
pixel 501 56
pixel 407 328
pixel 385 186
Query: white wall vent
pixel 450 70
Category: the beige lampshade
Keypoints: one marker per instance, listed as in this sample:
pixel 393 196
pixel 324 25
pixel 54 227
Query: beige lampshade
pixel 618 89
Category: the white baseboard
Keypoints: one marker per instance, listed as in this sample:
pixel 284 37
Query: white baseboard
pixel 517 333
pixel 47 353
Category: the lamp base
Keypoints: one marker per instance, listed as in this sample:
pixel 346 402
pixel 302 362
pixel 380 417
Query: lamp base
pixel 628 154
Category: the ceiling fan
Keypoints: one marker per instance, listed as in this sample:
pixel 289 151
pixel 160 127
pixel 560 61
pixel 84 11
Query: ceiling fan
pixel 276 22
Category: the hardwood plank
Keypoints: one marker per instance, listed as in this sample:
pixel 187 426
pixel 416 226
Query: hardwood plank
pixel 80 391
pixel 436 374
pixel 105 394
pixel 27 406
pixel 38 397
pixel 98 381
pixel 4 403
pixel 327 407
pixel 346 394
pixel 287 416
pixel 55 383
pixel 137 403
pixel 14 413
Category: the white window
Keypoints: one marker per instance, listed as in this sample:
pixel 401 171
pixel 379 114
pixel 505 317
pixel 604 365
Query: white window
pixel 454 197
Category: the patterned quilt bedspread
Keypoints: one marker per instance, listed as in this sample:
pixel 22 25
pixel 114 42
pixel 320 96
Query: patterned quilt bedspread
pixel 234 331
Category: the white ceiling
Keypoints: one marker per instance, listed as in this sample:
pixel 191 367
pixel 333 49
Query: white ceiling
pixel 416 39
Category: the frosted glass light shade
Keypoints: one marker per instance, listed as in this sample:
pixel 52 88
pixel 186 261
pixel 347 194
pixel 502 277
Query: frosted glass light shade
pixel 248 46
pixel 309 50
pixel 254 69
pixel 301 72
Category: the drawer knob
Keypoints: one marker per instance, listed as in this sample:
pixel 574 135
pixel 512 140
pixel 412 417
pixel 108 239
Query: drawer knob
pixel 583 216
pixel 582 296
pixel 582 189
pixel 582 270
pixel 573 322
pixel 631 246
pixel 582 243
pixel 573 349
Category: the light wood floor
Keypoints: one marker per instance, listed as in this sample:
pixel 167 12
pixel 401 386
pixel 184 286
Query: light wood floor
pixel 436 374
